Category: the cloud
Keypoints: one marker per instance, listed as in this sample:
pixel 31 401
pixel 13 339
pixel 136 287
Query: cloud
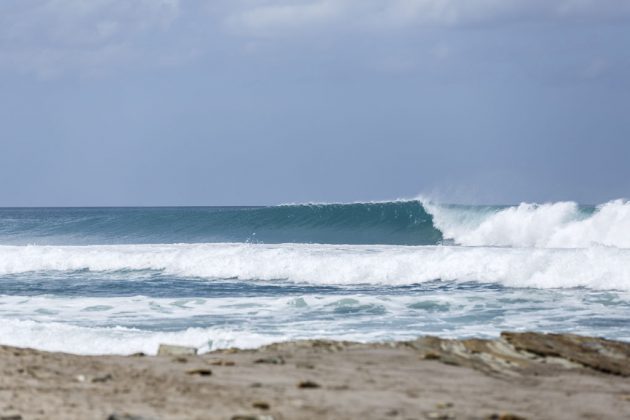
pixel 47 37
pixel 54 37
pixel 267 17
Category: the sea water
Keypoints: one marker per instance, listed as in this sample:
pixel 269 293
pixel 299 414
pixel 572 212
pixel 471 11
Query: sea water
pixel 123 280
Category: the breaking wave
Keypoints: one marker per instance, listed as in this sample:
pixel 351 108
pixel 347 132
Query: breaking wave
pixel 552 225
pixel 597 267
pixel 405 222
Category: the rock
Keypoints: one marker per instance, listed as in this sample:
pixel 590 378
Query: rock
pixel 125 416
pixel 171 350
pixel 606 356
pixel 308 385
pixel 199 372
pixel 10 417
pixel 505 416
pixel 221 363
pixel 516 354
pixel 431 356
pixel 102 378
pixel 253 417
pixel 304 365
pixel 262 405
pixel 278 360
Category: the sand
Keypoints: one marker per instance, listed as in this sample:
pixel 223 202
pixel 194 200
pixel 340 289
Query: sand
pixel 426 379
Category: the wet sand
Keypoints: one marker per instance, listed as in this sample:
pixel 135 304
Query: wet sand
pixel 532 376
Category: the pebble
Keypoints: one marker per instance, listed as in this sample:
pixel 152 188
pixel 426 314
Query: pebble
pixel 303 365
pixel 200 372
pixel 279 360
pixel 308 385
pixel 431 356
pixel 102 378
pixel 222 363
pixel 262 405
pixel 125 416
pixel 505 416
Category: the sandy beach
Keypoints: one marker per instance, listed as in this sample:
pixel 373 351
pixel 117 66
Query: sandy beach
pixel 519 376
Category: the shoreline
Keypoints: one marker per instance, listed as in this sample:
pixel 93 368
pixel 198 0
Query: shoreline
pixel 518 376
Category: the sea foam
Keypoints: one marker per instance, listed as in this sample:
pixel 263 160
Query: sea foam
pixel 552 225
pixel 596 267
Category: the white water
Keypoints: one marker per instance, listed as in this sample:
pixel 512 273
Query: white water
pixel 552 225
pixel 124 325
pixel 596 268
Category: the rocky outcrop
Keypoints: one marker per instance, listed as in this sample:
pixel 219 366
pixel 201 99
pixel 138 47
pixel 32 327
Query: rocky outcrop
pixel 517 353
pixel 596 353
pixel 512 354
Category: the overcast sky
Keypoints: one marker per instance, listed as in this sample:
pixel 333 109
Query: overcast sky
pixel 219 102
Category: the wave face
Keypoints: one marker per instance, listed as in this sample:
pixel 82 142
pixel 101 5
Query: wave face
pixel 403 222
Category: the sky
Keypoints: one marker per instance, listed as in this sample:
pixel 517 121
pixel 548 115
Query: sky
pixel 236 102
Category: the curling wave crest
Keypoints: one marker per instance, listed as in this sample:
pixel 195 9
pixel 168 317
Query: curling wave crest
pixel 552 225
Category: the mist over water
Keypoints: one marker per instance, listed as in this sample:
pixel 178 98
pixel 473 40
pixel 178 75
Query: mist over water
pixel 120 280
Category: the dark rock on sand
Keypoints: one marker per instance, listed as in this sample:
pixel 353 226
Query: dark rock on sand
pixel 102 378
pixel 199 372
pixel 261 405
pixel 125 416
pixel 505 416
pixel 276 360
pixel 308 385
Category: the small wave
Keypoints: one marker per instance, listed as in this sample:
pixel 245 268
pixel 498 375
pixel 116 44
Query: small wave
pixel 597 268
pixel 58 336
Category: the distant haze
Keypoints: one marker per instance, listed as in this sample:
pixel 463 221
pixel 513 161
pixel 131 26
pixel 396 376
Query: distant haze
pixel 232 102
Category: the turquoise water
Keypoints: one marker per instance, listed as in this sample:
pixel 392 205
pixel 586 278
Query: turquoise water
pixel 122 280
pixel 403 223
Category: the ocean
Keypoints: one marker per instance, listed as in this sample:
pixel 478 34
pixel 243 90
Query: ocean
pixel 124 280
